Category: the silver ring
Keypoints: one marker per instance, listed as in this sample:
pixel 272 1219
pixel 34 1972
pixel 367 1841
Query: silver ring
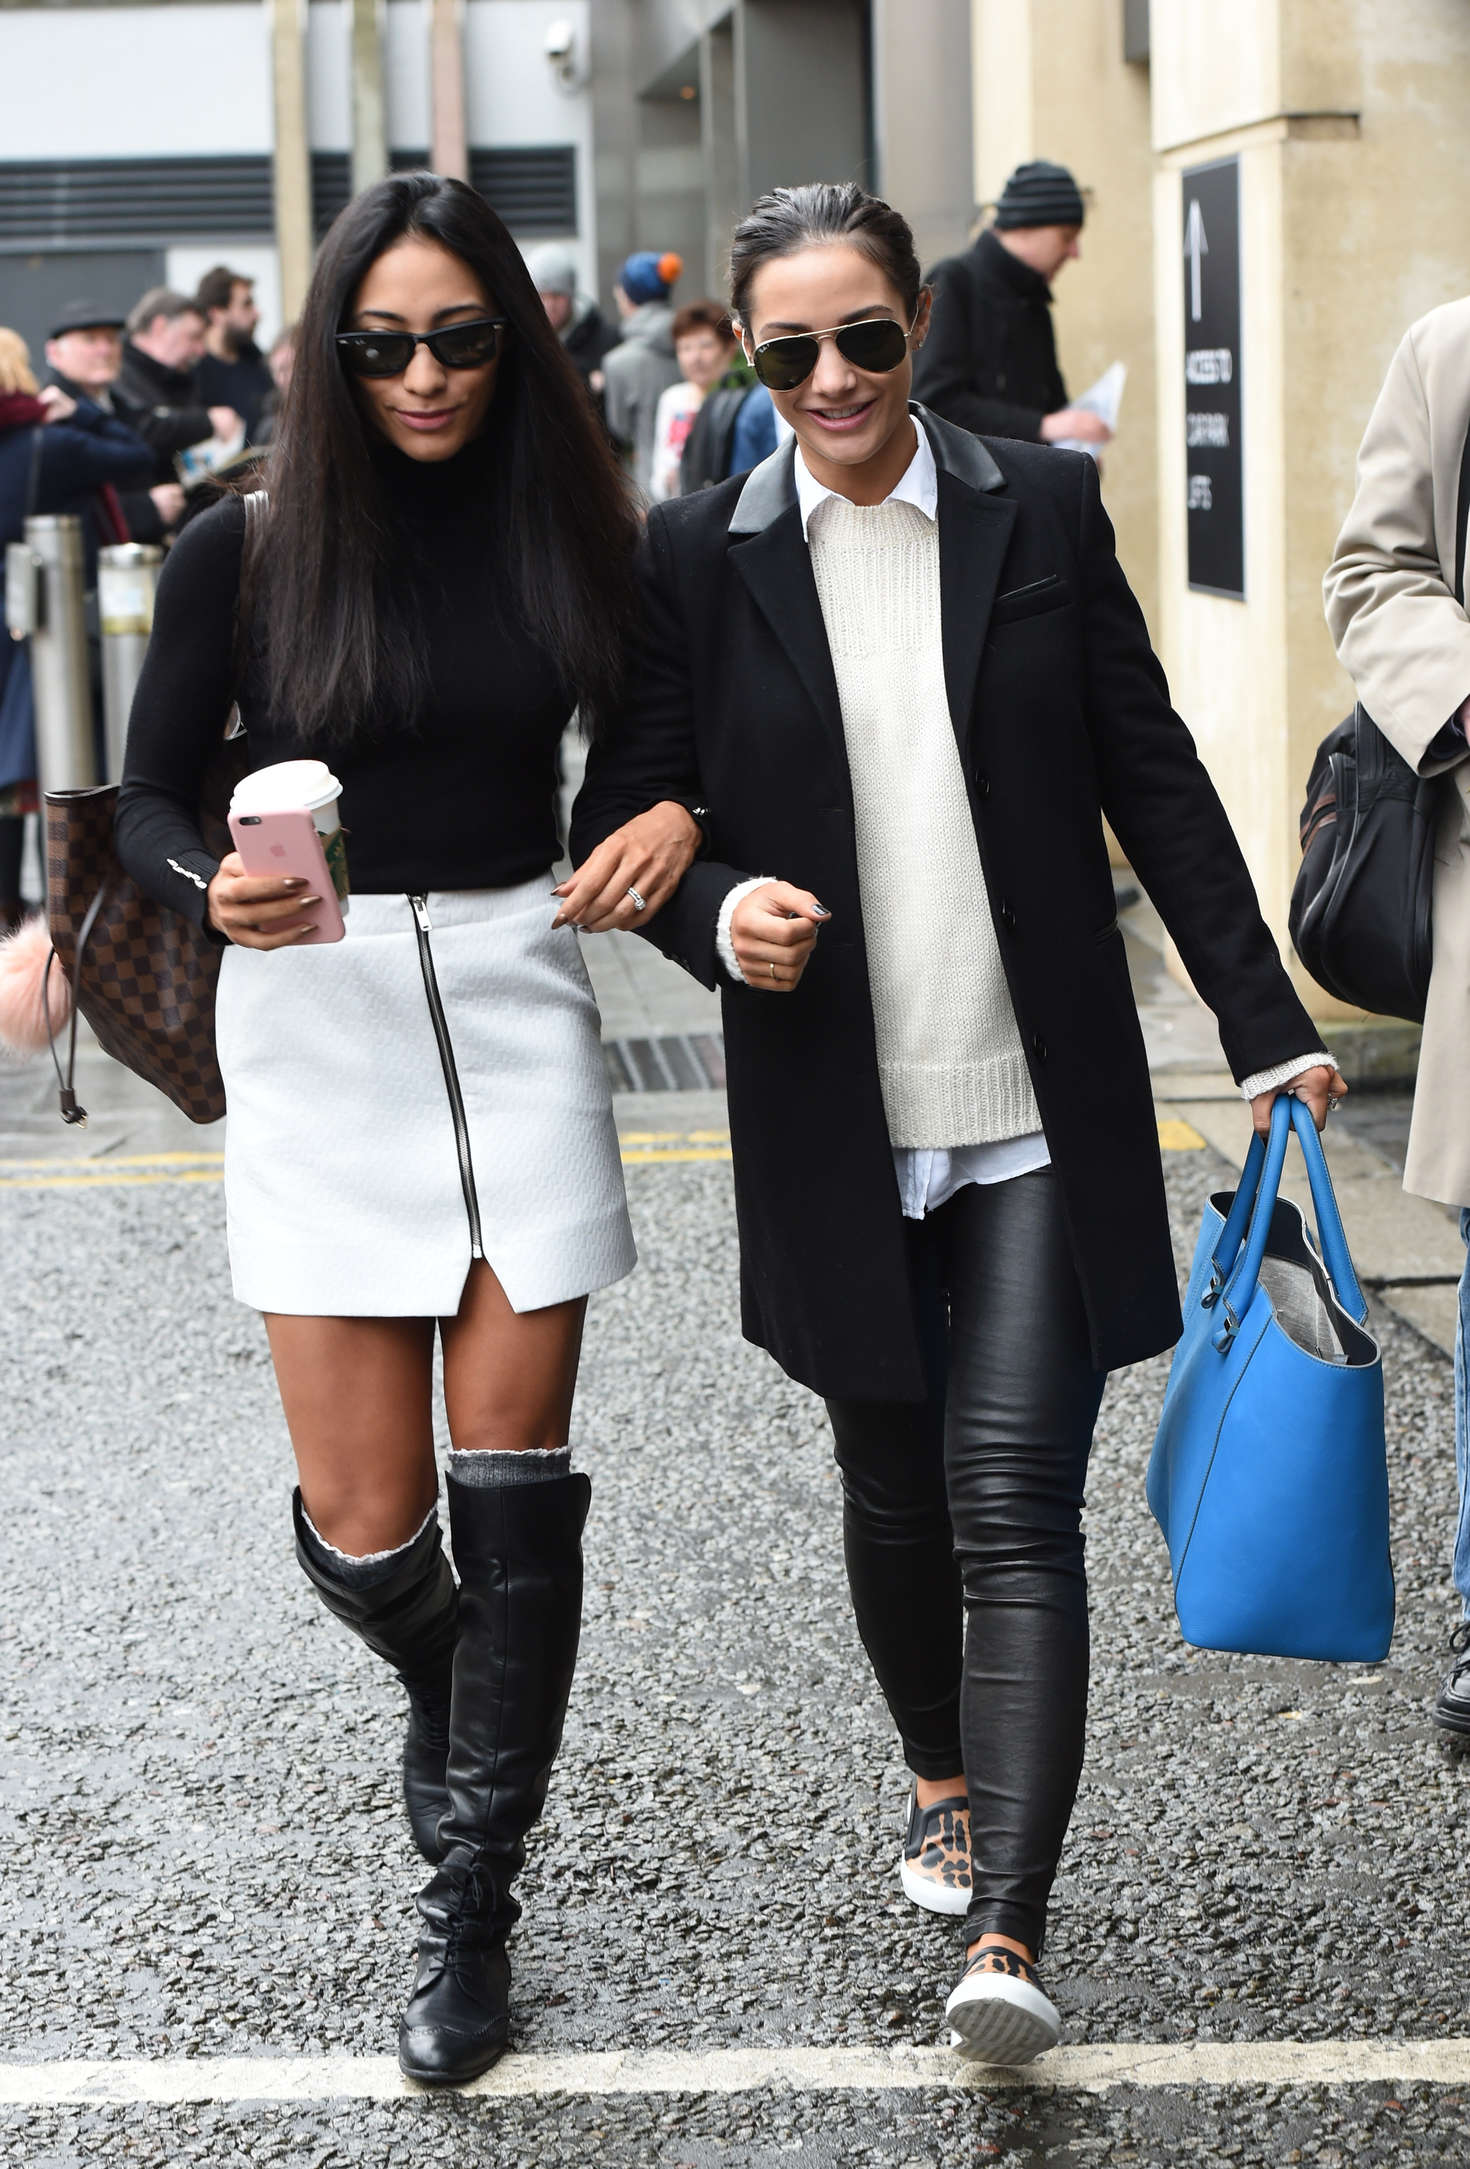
pixel 638 902
pixel 772 969
pixel 1334 1101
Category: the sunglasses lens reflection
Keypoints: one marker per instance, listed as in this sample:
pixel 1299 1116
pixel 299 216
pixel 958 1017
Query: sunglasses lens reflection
pixel 466 346
pixel 374 355
pixel 878 346
pixel 782 364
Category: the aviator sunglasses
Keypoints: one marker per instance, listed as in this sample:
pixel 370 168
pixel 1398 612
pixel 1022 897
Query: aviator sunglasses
pixel 877 345
pixel 388 353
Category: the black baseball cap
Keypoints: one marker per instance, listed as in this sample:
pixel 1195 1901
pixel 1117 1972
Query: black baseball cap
pixel 86 316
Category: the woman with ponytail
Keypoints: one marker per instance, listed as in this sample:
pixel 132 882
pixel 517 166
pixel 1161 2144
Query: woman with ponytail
pixel 905 669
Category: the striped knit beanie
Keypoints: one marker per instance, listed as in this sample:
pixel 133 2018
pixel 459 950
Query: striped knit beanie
pixel 1039 194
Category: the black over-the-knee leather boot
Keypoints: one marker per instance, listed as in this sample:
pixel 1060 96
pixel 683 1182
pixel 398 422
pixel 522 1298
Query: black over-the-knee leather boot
pixel 518 1548
pixel 412 1620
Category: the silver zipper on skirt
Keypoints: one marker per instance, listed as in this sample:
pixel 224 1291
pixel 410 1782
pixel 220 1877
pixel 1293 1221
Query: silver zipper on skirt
pixel 423 927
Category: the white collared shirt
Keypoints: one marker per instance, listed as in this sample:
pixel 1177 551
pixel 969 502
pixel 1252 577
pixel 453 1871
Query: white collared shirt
pixel 918 485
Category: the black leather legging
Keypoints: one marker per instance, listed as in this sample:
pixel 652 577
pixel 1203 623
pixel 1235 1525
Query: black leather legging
pixel 962 1528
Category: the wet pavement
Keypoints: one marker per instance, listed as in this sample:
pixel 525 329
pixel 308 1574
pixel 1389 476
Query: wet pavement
pixel 204 1854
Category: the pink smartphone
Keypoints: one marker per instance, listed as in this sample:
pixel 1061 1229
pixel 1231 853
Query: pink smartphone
pixel 288 843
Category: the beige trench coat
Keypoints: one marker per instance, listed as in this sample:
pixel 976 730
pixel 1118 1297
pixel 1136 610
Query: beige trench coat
pixel 1405 642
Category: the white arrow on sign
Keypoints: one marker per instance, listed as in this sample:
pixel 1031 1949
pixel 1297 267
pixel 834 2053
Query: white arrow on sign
pixel 1195 246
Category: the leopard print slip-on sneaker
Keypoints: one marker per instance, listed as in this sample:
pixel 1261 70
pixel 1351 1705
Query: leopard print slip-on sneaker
pixel 999 2011
pixel 934 1865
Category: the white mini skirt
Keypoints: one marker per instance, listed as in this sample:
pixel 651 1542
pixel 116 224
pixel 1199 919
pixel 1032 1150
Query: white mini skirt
pixel 427 1091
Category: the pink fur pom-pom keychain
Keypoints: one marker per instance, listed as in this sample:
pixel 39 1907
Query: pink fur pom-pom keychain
pixel 23 957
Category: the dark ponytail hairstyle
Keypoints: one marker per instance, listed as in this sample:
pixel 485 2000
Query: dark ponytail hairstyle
pixel 342 641
pixel 789 219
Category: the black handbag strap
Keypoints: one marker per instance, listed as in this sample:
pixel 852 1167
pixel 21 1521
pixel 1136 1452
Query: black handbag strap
pixel 1462 515
pixel 66 1080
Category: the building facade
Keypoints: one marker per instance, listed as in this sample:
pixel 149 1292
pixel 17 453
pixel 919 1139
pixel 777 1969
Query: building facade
pixel 1272 189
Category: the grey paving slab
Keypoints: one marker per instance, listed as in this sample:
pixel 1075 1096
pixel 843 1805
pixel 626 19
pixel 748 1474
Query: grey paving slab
pixel 202 1847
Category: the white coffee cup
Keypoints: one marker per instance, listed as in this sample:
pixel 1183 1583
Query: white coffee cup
pixel 300 787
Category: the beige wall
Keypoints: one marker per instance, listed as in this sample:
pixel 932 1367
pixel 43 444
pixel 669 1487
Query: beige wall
pixel 1354 170
pixel 1050 81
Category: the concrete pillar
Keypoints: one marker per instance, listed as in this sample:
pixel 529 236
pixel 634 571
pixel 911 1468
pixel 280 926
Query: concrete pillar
pixel 450 151
pixel 615 132
pixel 923 133
pixel 723 203
pixel 291 157
pixel 369 106
pixel 801 93
pixel 1353 173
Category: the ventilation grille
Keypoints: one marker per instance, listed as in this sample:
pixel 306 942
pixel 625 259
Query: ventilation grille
pixel 49 202
pixel 139 200
pixel 535 190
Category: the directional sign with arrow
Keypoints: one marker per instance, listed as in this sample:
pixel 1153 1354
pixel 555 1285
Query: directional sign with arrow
pixel 1195 246
pixel 1214 463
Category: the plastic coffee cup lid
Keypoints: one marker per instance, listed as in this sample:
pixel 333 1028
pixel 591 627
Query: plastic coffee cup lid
pixel 286 787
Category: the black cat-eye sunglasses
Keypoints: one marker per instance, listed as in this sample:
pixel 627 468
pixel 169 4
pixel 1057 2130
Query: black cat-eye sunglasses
pixel 388 353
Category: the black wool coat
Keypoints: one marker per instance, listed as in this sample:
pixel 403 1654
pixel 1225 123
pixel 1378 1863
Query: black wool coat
pixel 1062 716
pixel 163 406
pixel 990 360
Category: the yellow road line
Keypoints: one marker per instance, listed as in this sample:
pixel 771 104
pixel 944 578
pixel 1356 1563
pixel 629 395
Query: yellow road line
pixel 640 1148
pixel 676 1153
pixel 140 1172
pixel 119 1159
pixel 103 1180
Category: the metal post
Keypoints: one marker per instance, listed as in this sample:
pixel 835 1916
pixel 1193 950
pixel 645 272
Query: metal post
pixel 61 678
pixel 127 577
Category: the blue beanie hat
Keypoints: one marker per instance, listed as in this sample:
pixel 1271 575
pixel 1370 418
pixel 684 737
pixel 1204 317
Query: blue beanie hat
pixel 647 277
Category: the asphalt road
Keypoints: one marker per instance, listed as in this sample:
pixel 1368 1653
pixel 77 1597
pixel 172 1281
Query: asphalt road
pixel 203 1853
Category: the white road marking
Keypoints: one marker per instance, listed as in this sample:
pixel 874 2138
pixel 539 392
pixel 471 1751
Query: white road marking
pixel 740 2071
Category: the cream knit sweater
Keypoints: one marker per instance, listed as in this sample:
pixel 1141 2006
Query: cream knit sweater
pixel 949 1049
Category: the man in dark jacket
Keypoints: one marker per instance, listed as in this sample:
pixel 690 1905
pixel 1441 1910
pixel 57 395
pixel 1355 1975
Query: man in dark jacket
pixel 232 370
pixel 162 350
pixel 84 350
pixel 580 325
pixel 990 360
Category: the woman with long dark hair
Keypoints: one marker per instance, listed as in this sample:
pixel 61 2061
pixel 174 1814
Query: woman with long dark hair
pixel 906 671
pixel 420 1131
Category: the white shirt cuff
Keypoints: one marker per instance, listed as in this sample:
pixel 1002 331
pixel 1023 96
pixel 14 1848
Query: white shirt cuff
pixel 1268 1080
pixel 723 942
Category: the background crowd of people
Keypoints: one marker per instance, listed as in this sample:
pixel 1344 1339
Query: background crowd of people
pixel 140 415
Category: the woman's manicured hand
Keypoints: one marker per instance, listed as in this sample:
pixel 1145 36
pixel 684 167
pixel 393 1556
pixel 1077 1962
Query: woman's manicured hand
pixel 650 854
pixel 773 932
pixel 259 911
pixel 1315 1086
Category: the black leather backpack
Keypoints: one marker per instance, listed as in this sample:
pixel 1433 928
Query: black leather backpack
pixel 1360 913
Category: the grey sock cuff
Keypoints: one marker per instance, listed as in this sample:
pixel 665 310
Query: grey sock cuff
pixel 535 1465
pixel 360 1571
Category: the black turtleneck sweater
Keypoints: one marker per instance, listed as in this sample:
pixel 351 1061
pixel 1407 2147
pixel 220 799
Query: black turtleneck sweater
pixel 462 798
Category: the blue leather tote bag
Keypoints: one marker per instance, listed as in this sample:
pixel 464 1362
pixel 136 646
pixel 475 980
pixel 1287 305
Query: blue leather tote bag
pixel 1269 1475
